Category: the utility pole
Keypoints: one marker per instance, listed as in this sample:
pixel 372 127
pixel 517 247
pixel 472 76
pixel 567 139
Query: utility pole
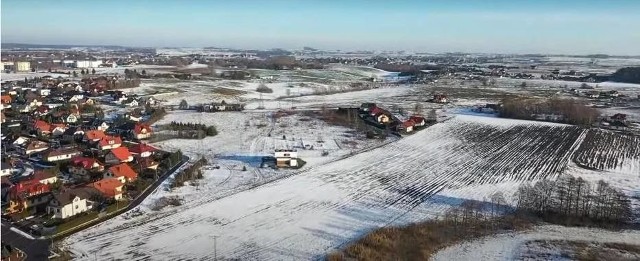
pixel 215 248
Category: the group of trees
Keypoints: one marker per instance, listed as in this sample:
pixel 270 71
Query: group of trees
pixel 187 127
pixel 280 62
pixel 193 172
pixel 567 110
pixel 571 200
pixel 83 72
pixel 627 74
pixel 129 74
pixel 264 89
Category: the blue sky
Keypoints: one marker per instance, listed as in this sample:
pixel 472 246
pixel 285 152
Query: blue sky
pixel 499 26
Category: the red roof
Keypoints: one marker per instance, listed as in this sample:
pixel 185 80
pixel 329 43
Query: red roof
pixel 123 170
pixel 110 140
pixel 416 119
pixel 84 162
pixel 6 99
pixel 107 186
pixel 42 125
pixel 137 129
pixel 94 134
pixel 27 188
pixel 408 123
pixel 375 110
pixel 121 153
pixel 141 148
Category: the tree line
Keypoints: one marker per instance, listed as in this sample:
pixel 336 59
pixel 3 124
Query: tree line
pixel 193 172
pixel 568 110
pixel 179 126
pixel 574 201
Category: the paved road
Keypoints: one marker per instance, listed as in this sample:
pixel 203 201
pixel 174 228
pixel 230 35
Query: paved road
pixel 36 249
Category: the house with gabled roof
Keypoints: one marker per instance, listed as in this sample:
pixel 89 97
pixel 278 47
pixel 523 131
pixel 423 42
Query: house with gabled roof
pixel 122 172
pixel 26 194
pixel 34 146
pixel 142 131
pixel 142 150
pixel 83 166
pixel 110 188
pixel 61 154
pixel 110 142
pixel 42 127
pixel 118 155
pixel 45 177
pixel 70 202
pixel 93 135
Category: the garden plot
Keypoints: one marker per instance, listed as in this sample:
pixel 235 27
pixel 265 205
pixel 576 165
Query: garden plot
pixel 305 215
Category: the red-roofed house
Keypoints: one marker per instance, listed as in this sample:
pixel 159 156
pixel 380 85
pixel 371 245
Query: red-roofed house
pixel 93 135
pixel 118 155
pixel 142 131
pixel 6 99
pixel 142 150
pixel 110 188
pixel 122 172
pixel 58 129
pixel 110 142
pixel 147 163
pixel 26 194
pixel 407 126
pixel 42 127
pixel 82 166
pixel 418 120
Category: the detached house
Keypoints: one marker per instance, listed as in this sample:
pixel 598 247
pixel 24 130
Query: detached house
pixel 35 146
pixel 27 194
pixel 83 166
pixel 123 172
pixel 45 177
pixel 118 155
pixel 71 202
pixel 58 129
pixel 109 142
pixel 94 135
pixel 61 154
pixel 142 150
pixel 109 188
pixel 142 131
pixel 42 127
pixel 72 134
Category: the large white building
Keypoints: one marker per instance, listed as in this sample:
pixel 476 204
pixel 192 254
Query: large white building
pixel 88 64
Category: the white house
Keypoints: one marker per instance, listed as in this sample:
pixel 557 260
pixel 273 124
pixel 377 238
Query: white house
pixel 71 202
pixel 44 92
pixel 103 126
pixel 71 118
pixel 286 158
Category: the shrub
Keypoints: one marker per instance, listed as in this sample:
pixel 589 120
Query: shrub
pixel 264 89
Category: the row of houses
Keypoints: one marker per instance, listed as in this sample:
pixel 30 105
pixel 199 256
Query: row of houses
pixel 60 157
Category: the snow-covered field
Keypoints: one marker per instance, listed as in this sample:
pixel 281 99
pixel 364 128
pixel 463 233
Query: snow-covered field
pixel 512 246
pixel 305 215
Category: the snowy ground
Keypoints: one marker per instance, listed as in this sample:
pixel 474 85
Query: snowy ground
pixel 305 215
pixel 513 246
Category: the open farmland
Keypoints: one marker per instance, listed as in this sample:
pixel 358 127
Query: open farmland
pixel 607 150
pixel 305 215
